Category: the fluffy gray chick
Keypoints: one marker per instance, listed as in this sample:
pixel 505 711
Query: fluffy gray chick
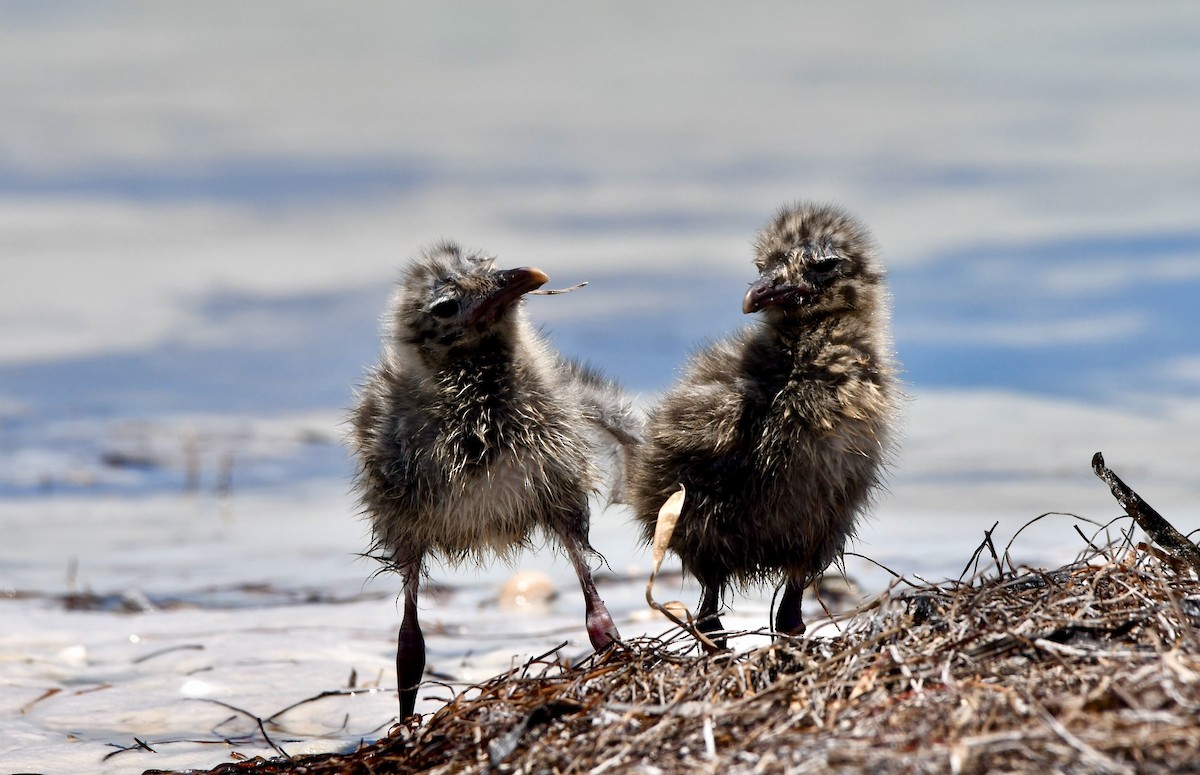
pixel 472 435
pixel 780 433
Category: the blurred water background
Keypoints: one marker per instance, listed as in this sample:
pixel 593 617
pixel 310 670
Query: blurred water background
pixel 203 207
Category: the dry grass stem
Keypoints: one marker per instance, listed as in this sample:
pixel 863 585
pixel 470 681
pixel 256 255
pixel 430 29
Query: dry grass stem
pixel 1091 667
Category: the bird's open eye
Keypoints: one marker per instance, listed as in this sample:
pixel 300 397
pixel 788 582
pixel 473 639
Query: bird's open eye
pixel 446 308
pixel 825 264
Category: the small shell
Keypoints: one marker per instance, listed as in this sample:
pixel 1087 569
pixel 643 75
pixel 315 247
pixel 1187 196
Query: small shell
pixel 528 591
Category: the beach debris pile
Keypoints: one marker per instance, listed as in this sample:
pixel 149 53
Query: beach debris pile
pixel 1089 667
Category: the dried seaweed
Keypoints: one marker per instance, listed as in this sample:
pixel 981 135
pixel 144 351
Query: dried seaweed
pixel 1090 667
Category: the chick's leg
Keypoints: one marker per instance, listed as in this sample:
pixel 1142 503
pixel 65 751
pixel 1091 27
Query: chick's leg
pixel 601 629
pixel 707 620
pixel 788 619
pixel 410 647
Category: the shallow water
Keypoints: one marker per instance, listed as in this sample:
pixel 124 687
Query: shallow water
pixel 201 215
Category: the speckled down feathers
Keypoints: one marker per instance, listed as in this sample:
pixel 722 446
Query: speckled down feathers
pixel 472 435
pixel 780 433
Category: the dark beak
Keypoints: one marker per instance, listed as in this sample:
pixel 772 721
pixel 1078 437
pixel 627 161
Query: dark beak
pixel 512 284
pixel 771 292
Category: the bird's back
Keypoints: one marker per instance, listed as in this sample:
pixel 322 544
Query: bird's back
pixel 778 442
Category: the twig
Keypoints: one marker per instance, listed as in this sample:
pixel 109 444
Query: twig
pixel 1098 760
pixel 315 697
pixel 138 745
pixel 987 541
pixel 1039 518
pixel 258 720
pixel 1159 529
pixel 168 650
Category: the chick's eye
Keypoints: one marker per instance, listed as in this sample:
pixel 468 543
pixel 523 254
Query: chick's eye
pixel 446 308
pixel 826 264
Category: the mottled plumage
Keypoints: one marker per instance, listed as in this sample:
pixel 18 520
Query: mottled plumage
pixel 472 436
pixel 779 433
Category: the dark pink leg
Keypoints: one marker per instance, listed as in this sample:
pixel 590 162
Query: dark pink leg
pixel 601 629
pixel 410 648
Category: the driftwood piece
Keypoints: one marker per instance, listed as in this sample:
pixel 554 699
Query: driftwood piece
pixel 1156 526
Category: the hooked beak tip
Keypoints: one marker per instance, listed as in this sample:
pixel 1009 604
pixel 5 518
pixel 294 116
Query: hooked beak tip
pixel 522 280
pixel 775 293
pixel 512 285
pixel 750 303
pixel 761 294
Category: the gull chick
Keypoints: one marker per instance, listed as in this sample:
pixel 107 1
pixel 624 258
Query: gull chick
pixel 471 435
pixel 780 433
